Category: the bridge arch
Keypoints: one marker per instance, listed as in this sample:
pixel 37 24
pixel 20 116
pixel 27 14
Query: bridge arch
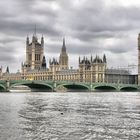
pixel 35 85
pixel 105 87
pixel 74 87
pixel 129 88
pixel 2 87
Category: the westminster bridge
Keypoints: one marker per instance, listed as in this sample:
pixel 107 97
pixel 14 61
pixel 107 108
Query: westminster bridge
pixel 35 85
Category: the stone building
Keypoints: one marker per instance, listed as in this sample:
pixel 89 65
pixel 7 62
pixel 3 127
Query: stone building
pixel 120 76
pixel 93 70
pixel 9 76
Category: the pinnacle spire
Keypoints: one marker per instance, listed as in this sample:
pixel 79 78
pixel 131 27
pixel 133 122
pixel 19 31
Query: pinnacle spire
pixel 64 46
pixel 104 58
pixel 7 69
pixel 64 41
pixel 27 39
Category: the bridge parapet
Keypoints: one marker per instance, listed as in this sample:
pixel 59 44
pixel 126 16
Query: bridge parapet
pixel 54 85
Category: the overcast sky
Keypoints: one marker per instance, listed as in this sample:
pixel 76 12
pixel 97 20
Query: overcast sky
pixel 90 27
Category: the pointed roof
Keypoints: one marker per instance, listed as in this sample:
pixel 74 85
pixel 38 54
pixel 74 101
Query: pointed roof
pixel 64 46
pixel 7 69
pixel 104 58
pixel 27 40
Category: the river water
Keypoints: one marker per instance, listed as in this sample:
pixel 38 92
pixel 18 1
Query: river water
pixel 70 116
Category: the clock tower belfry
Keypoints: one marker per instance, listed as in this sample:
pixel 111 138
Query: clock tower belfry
pixel 139 59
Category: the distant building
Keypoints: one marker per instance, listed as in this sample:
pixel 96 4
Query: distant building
pixel 120 76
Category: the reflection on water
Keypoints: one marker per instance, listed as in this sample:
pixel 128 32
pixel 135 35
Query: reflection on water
pixel 70 116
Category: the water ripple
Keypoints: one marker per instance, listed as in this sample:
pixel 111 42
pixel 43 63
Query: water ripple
pixel 70 116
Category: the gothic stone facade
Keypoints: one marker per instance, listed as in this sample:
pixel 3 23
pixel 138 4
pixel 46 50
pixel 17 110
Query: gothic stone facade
pixel 90 69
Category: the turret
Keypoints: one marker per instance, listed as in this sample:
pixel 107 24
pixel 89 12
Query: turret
pixel 91 58
pixel 79 59
pixel 104 58
pixel 1 69
pixel 42 41
pixel 7 69
pixel 63 47
pixel 27 41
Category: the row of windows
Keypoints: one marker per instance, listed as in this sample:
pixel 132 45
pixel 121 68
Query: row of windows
pixel 58 77
pixel 37 57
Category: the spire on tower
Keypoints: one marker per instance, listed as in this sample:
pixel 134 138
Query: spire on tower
pixel 64 41
pixel 7 69
pixel 79 60
pixel 91 58
pixel 27 40
pixel 42 40
pixel 104 58
pixel 63 47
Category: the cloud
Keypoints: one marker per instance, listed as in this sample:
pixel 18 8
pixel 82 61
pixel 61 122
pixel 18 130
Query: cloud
pixel 90 27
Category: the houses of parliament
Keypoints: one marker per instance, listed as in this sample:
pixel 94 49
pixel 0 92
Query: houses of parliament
pixel 93 70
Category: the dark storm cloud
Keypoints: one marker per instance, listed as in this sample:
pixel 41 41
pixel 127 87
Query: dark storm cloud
pixel 87 25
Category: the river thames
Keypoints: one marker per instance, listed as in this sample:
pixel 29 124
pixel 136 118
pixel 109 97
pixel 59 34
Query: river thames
pixel 70 116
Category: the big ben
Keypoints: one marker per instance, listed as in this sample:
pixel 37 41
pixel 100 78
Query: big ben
pixel 139 59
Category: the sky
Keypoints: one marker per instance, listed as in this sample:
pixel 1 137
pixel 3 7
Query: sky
pixel 90 27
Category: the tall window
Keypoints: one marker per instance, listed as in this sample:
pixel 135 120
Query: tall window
pixel 37 57
pixel 30 57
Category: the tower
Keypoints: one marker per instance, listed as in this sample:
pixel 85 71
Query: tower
pixel 63 58
pixel 139 59
pixel 34 52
